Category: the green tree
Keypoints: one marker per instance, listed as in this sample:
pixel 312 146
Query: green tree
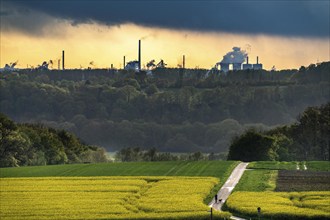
pixel 252 146
pixel 151 89
pixel 150 155
pixel 197 156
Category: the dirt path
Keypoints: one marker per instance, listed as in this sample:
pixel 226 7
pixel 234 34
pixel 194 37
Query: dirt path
pixel 228 187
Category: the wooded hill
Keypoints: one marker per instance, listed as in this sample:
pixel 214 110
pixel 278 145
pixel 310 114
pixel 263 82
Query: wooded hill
pixel 307 139
pixel 27 144
pixel 172 110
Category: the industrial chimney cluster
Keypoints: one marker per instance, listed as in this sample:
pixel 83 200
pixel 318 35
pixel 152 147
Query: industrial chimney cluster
pixel 136 64
pixel 236 58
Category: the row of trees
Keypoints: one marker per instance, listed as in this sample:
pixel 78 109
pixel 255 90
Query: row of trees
pixel 200 78
pixel 185 137
pixel 136 154
pixel 27 144
pixel 307 139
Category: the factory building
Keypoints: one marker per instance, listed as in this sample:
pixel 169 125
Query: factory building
pixel 247 66
pixel 257 66
pixel 224 67
pixel 235 59
pixel 237 66
pixel 133 65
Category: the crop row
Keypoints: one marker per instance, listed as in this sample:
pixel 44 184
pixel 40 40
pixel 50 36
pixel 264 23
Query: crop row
pixel 105 198
pixel 281 205
pixel 290 180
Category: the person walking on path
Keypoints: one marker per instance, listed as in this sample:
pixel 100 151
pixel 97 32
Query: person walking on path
pixel 221 197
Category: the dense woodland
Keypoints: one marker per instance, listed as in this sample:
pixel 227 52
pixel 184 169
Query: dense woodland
pixel 307 139
pixel 172 110
pixel 27 144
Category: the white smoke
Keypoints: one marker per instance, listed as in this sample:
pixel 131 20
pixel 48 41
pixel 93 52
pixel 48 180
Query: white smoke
pixel 235 56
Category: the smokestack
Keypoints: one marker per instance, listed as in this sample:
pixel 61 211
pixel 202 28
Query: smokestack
pixel 63 59
pixel 139 54
pixel 124 62
pixel 247 60
pixel 183 61
pixel 257 60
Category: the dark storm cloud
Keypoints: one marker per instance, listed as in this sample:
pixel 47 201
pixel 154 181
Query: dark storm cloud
pixel 23 19
pixel 288 18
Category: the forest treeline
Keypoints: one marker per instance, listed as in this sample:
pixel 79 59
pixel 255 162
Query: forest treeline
pixel 307 139
pixel 28 144
pixel 136 154
pixel 173 110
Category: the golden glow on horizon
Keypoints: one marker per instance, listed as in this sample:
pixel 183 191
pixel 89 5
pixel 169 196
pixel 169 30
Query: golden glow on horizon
pixel 107 45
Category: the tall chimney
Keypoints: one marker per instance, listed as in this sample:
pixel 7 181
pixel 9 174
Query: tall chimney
pixel 257 60
pixel 63 59
pixel 247 60
pixel 183 62
pixel 139 54
pixel 124 62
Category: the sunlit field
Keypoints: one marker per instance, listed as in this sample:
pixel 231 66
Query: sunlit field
pixel 282 205
pixel 106 198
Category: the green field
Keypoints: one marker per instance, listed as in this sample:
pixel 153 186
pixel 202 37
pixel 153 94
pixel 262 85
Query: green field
pixel 276 165
pixel 106 198
pixel 221 169
pixel 273 165
pixel 318 165
pixel 257 181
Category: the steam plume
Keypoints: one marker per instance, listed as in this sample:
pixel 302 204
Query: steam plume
pixel 235 56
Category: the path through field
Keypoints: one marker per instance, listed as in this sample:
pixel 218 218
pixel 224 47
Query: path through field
pixel 228 187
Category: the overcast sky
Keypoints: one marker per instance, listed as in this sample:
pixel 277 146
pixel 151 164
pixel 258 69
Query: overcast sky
pixel 284 18
pixel 284 33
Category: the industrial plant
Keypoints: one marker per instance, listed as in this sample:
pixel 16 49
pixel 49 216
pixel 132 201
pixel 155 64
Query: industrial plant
pixel 234 60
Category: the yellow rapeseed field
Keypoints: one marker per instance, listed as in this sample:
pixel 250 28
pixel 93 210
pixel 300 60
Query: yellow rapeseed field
pixel 282 205
pixel 105 198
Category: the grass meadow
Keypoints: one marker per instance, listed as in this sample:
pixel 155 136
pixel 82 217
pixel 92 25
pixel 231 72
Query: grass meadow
pixel 292 165
pixel 318 165
pixel 257 181
pixel 221 169
pixel 273 165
